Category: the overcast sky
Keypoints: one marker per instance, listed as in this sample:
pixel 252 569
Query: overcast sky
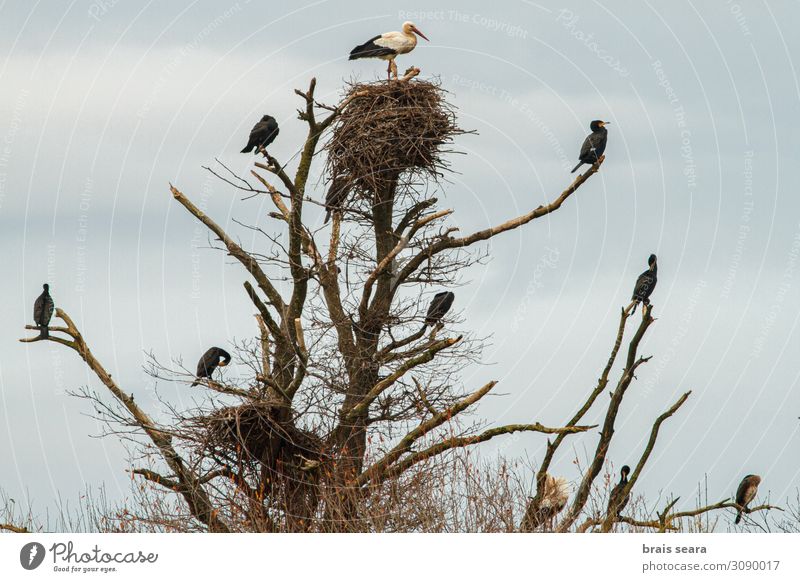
pixel 104 103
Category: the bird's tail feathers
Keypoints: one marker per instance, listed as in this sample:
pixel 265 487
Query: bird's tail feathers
pixel 247 149
pixel 738 516
pixel 576 167
pixel 327 216
pixel 44 332
pixel 195 383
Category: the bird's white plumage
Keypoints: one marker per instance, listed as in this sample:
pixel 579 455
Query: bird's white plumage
pixel 400 42
pixel 556 493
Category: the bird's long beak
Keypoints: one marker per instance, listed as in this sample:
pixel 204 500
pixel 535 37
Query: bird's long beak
pixel 419 32
pixel 606 123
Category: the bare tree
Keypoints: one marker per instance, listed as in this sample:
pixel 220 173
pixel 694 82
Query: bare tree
pixel 352 400
pixel 349 390
pixel 606 517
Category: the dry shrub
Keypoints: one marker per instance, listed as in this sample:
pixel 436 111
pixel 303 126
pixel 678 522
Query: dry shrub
pixel 386 130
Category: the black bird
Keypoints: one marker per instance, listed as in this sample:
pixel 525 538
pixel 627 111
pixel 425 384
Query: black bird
pixel 43 309
pixel 263 133
pixel 335 196
pixel 594 145
pixel 440 304
pixel 746 493
pixel 646 283
pixel 616 492
pixel 208 363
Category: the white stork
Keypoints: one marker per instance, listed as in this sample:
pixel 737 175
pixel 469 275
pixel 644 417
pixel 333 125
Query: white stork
pixel 388 45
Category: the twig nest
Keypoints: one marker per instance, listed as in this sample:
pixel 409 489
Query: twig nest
pixel 389 129
pixel 256 433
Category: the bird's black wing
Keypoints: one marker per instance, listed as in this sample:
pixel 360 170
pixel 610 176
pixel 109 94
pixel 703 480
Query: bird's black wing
pixel 593 147
pixel 208 363
pixel 615 494
pixel 262 134
pixel 251 143
pixel 440 305
pixel 745 492
pixel 43 309
pixel 644 286
pixel 336 195
pixel 38 309
pixel 49 307
pixel 370 50
pixel 612 499
pixel 599 141
pixel 586 147
pixel 269 132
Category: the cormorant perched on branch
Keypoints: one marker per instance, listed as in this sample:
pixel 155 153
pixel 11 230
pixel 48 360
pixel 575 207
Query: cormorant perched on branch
pixel 335 196
pixel 208 363
pixel 646 283
pixel 43 309
pixel 263 133
pixel 616 492
pixel 746 493
pixel 594 145
pixel 440 304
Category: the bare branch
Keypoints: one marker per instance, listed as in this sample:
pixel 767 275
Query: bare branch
pixel 451 243
pixel 247 261
pixel 613 510
pixel 197 499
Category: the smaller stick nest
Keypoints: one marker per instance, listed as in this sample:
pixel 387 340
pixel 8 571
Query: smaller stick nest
pixel 252 432
pixel 388 129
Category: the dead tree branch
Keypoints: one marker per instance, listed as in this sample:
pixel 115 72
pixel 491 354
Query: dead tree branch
pixel 195 496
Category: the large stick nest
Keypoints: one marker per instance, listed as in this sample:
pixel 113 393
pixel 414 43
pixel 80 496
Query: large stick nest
pixel 386 130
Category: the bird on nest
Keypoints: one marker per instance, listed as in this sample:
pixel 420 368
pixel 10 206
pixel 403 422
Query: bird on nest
pixel 388 46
